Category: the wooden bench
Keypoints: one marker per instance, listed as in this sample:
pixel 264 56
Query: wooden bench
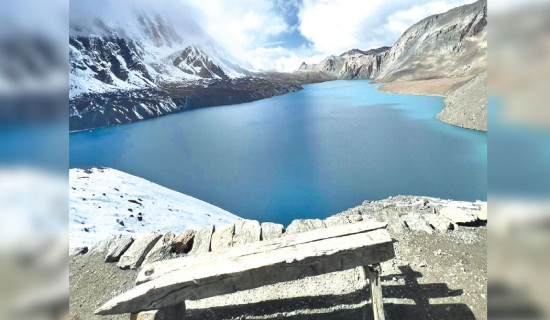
pixel 165 285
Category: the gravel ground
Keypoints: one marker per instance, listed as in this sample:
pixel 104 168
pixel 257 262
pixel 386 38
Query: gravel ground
pixel 433 276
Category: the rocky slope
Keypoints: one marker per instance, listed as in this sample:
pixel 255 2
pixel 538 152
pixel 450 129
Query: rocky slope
pixel 467 106
pixel 439 271
pixel 444 45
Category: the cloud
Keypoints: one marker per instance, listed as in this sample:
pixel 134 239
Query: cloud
pixel 335 26
pixel 282 59
pixel 239 27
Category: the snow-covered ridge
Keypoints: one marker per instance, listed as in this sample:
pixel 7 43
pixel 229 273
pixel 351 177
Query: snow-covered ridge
pixel 104 201
pixel 142 52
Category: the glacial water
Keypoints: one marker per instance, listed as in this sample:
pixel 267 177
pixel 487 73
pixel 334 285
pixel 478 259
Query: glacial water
pixel 308 154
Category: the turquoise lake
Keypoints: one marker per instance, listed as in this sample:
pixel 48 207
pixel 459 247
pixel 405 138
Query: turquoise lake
pixel 308 154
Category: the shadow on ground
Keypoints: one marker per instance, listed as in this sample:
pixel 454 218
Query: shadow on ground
pixel 356 305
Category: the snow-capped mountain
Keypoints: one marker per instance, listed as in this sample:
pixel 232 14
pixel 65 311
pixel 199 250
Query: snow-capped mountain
pixel 136 60
pixel 104 201
pixel 143 51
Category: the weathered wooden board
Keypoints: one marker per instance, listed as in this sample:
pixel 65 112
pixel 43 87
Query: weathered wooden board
pixel 160 268
pixel 243 272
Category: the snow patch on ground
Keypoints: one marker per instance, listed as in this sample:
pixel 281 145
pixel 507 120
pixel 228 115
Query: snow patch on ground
pixel 106 201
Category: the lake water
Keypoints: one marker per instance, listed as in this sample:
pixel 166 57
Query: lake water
pixel 308 154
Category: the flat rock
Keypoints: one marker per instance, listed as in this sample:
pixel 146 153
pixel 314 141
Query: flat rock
pixel 438 223
pixel 272 230
pixel 102 246
pixel 247 231
pixel 416 223
pixel 338 220
pixel 161 249
pixel 201 243
pixel 134 256
pixel 303 225
pixel 223 238
pixel 183 242
pixel 117 247
pixel 459 216
pixel 482 213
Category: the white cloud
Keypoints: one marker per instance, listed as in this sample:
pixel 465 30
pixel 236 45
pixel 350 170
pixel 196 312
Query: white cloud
pixel 333 25
pixel 282 59
pixel 239 27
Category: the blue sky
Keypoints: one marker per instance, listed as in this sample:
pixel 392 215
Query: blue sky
pixel 280 34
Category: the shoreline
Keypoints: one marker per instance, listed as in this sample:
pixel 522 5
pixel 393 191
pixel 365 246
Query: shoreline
pixel 445 88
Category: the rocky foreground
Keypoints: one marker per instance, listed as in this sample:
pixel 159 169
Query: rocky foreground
pixel 439 271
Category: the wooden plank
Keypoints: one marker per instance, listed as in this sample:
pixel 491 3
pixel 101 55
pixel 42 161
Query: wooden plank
pixel 160 268
pixel 376 291
pixel 254 270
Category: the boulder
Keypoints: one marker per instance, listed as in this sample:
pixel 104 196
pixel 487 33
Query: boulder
pixel 161 249
pixel 134 256
pixel 223 238
pixel 416 223
pixel 272 230
pixel 459 216
pixel 338 220
pixel 246 231
pixel 201 243
pixel 303 225
pixel 183 242
pixel 482 213
pixel 117 247
pixel 355 217
pixel 102 246
pixel 77 251
pixel 438 222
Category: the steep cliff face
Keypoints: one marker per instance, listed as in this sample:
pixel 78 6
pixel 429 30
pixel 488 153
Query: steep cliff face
pixel 453 43
pixel 331 65
pixel 362 65
pixel 353 64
